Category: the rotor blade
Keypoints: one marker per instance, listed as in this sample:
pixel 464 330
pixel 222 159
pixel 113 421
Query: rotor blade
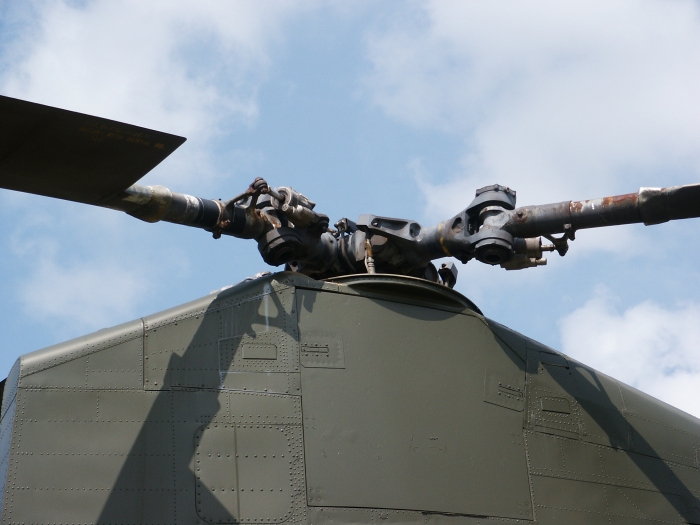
pixel 72 156
pixel 668 204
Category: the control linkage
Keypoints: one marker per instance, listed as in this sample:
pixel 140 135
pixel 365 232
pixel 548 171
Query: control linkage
pixel 76 157
pixel 491 229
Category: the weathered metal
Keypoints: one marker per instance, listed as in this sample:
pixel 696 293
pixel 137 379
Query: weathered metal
pixel 284 223
pixel 374 395
pixel 490 229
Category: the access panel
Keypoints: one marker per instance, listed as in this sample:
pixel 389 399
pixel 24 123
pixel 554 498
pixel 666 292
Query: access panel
pixel 408 419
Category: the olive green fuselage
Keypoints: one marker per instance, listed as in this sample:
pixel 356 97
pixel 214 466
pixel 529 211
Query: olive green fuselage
pixel 289 400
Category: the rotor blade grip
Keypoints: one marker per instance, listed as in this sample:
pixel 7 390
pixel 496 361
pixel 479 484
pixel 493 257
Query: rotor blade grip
pixel 606 211
pixel 533 221
pixel 649 205
pixel 546 219
pixel 157 203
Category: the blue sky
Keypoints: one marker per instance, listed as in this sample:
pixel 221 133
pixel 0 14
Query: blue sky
pixel 398 109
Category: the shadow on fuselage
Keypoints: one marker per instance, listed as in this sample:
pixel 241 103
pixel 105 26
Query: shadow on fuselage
pixel 611 421
pixel 132 474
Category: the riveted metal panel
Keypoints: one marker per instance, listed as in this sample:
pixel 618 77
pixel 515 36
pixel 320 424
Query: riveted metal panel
pixel 119 367
pixel 258 408
pixel 271 382
pixel 550 358
pixel 80 347
pixel 322 350
pixel 216 473
pixel 271 308
pixel 198 344
pixel 64 375
pixel 250 469
pixel 265 473
pixel 560 458
pixel 259 351
pixel 405 421
pixel 549 379
pixel 569 399
pixel 89 456
pixel 660 430
pixel 505 390
pixel 358 516
pixel 171 346
pixel 579 502
pixel 244 353
pixel 79 455
pixel 555 456
pixel 7 418
pixel 192 410
pixel 90 446
pixel 558 405
pixel 5 442
pixel 263 324
pixel 601 411
pixel 256 321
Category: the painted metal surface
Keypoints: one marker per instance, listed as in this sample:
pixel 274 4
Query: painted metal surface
pixel 73 156
pixel 374 407
pixel 404 425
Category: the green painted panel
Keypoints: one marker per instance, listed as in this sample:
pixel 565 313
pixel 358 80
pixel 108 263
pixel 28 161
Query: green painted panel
pixel 580 502
pixel 201 345
pixel 405 424
pixel 216 473
pixel 272 382
pixel 660 430
pixel 109 358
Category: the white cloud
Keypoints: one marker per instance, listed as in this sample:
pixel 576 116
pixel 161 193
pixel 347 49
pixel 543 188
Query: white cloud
pixel 182 67
pixel 647 346
pixel 84 267
pixel 83 296
pixel 557 100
